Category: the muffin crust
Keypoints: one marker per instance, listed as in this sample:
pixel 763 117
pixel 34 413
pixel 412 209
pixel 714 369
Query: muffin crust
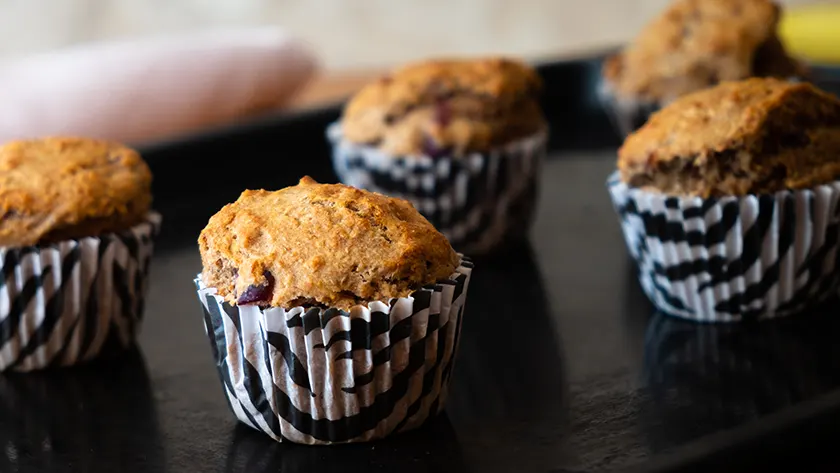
pixel 55 189
pixel 326 245
pixel 446 107
pixel 695 44
pixel 756 136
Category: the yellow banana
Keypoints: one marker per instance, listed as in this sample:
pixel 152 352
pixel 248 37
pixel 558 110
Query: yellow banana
pixel 812 32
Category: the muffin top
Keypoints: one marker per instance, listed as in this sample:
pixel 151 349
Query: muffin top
pixel 451 107
pixel 697 43
pixel 756 136
pixel 56 189
pixel 327 245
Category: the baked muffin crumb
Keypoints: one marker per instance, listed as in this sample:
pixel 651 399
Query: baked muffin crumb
pixel 326 245
pixel 695 44
pixel 454 106
pixel 756 136
pixel 55 189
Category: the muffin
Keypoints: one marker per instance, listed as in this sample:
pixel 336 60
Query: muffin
pixel 728 200
pixel 334 313
pixel 692 45
pixel 75 244
pixel 463 140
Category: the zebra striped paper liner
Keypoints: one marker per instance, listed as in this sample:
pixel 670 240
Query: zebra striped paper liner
pixel 733 258
pixel 316 376
pixel 478 201
pixel 67 302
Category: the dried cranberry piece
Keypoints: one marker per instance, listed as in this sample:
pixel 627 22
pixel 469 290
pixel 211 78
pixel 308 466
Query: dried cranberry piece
pixel 260 295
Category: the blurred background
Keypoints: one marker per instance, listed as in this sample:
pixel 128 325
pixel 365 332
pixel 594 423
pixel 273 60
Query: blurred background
pixel 345 34
pixel 78 67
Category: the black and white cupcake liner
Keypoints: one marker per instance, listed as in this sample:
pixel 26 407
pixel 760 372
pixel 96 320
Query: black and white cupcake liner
pixel 733 258
pixel 325 376
pixel 479 201
pixel 67 302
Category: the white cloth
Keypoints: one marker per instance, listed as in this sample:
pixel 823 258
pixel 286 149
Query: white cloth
pixel 145 90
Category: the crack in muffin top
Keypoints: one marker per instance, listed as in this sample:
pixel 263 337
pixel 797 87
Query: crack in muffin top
pixel 452 107
pixel 695 44
pixel 56 189
pixel 756 136
pixel 326 245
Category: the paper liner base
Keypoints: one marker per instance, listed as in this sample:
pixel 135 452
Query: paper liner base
pixel 325 376
pixel 733 258
pixel 68 302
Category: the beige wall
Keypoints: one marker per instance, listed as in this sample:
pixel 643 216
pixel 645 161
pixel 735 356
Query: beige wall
pixel 346 33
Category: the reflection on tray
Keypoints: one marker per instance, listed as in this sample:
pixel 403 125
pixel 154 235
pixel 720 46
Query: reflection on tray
pixel 509 365
pixel 432 448
pixel 827 78
pixel 704 378
pixel 99 416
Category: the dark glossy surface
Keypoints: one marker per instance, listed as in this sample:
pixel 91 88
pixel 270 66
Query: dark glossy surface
pixel 563 367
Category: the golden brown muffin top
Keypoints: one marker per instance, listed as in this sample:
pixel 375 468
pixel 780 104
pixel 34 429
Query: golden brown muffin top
pixel 55 189
pixel 755 136
pixel 446 106
pixel 327 245
pixel 694 44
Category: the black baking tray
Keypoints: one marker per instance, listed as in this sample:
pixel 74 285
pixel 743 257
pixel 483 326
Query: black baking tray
pixel 564 365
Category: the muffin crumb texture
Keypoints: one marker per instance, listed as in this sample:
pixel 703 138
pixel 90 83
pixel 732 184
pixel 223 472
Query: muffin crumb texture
pixel 324 245
pixel 756 136
pixel 695 44
pixel 56 189
pixel 446 107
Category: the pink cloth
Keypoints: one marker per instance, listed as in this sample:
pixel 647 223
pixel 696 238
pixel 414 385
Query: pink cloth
pixel 145 90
